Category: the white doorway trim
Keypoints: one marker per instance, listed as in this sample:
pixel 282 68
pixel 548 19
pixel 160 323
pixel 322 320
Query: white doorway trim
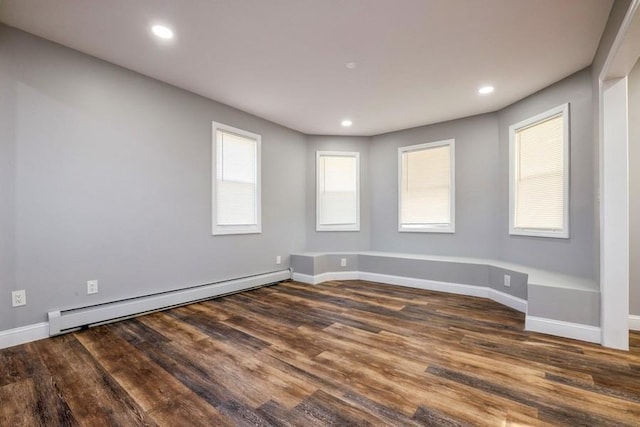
pixel 614 216
pixel 613 142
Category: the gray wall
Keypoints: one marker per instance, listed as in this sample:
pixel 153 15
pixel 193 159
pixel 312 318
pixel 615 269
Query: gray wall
pixel 338 240
pixel 113 183
pixel 7 190
pixel 634 190
pixel 476 163
pixel 577 255
pixel 580 306
pixel 518 281
pixel 454 272
pixel 333 262
pixel 482 187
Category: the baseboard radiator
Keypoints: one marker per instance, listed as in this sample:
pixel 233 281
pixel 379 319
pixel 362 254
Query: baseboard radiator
pixel 63 321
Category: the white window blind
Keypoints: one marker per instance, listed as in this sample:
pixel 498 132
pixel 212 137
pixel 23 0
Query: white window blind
pixel 236 187
pixel 337 191
pixel 426 187
pixel 540 175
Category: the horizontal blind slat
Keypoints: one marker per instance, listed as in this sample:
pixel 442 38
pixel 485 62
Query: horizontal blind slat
pixel 426 186
pixel 540 197
pixel 337 190
pixel 236 180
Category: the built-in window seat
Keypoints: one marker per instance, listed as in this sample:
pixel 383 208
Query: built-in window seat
pixel 554 303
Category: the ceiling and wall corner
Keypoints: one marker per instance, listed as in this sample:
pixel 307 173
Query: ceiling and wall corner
pixel 307 65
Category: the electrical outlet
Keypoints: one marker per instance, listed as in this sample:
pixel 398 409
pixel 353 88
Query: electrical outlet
pixel 92 287
pixel 278 259
pixel 18 298
pixel 507 280
pixel 343 262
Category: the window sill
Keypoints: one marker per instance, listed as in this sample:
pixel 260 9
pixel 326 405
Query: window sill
pixel 563 234
pixel 449 230
pixel 225 231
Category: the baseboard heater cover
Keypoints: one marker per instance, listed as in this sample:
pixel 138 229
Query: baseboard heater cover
pixel 63 321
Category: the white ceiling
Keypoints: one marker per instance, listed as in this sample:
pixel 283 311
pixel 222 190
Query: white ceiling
pixel 418 61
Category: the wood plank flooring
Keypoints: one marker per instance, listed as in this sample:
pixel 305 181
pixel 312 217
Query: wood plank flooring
pixel 339 353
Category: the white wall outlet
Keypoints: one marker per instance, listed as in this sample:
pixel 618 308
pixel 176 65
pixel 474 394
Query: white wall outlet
pixel 18 298
pixel 507 280
pixel 343 262
pixel 278 259
pixel 92 287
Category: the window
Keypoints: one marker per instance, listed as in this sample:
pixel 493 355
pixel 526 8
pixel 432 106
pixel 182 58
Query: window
pixel 539 175
pixel 426 181
pixel 236 181
pixel 337 191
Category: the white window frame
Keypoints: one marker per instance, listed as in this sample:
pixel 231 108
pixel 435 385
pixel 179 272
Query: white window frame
pixel 219 229
pixel 338 227
pixel 559 234
pixel 430 228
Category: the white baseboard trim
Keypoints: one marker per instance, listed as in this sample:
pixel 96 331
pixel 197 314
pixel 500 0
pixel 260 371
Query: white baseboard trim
pixel 337 275
pixel 325 277
pixel 560 328
pixel 508 300
pixel 634 322
pixel 431 285
pixel 452 288
pixel 303 278
pixel 24 334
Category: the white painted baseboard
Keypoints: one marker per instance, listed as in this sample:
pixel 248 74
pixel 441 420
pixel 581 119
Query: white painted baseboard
pixel 325 277
pixel 24 334
pixel 563 329
pixel 303 278
pixel 508 300
pixel 634 322
pixel 431 285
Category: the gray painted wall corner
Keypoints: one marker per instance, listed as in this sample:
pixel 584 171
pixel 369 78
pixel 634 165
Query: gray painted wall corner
pixel 518 282
pixel 332 262
pixel 338 240
pixel 302 264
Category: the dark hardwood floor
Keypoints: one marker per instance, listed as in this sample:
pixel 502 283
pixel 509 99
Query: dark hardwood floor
pixel 340 353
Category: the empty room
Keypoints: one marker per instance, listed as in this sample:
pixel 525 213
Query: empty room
pixel 312 213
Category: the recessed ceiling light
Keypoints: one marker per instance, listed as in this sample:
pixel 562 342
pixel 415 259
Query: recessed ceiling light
pixel 347 123
pixel 485 90
pixel 162 32
pixel 351 65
